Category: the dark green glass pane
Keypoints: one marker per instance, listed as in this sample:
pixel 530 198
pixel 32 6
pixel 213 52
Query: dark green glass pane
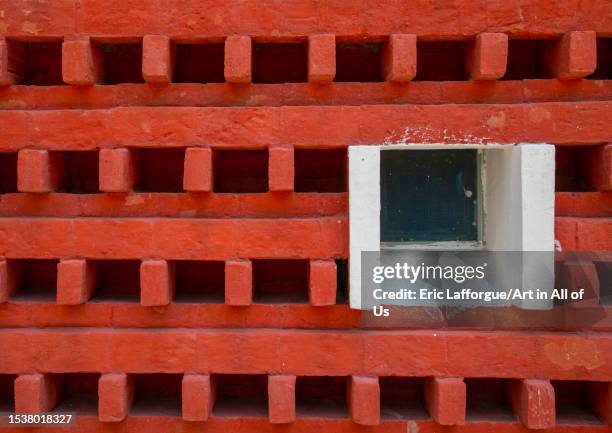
pixel 428 195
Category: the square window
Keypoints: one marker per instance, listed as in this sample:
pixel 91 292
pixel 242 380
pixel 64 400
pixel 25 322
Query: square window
pixel 240 395
pixel 529 59
pixel 117 280
pixel 359 62
pixel 36 279
pixel 240 171
pixel 572 402
pixel 321 396
pixel 157 394
pixel 280 281
pixel 199 63
pixel 402 397
pixel 80 172
pixel 79 393
pixel 429 195
pixel 487 399
pixel 200 281
pixel 320 170
pixel 36 63
pixel 122 63
pixel 280 62
pixel 441 61
pixel 160 170
pixel 8 172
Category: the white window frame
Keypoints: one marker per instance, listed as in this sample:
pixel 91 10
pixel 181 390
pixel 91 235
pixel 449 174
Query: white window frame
pixel 517 202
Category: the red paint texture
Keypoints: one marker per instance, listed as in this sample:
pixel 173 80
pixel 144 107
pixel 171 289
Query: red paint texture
pixel 174 216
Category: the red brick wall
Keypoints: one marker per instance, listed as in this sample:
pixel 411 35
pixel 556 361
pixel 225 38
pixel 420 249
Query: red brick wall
pixel 140 213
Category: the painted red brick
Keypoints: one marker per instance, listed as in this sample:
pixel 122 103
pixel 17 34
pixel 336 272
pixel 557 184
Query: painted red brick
pixel 157 283
pixel 533 401
pixel 82 63
pixel 363 396
pixel 38 170
pixel 157 61
pixel 238 59
pixel 75 281
pixel 488 56
pixel 198 170
pixel 117 170
pixel 115 396
pixel 280 168
pixel 446 399
pixel 577 55
pixel 322 282
pixel 400 58
pixel 238 282
pixel 37 393
pixel 281 399
pixel 321 58
pixel 198 395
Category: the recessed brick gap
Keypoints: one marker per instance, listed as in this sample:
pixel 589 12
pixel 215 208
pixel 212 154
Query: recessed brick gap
pixel 530 59
pixel 117 280
pixel 321 397
pixel 36 279
pixel 7 392
pixel 157 394
pixel 159 170
pixel 402 398
pixel 280 281
pixel 487 400
pixel 321 170
pixel 359 62
pixel 8 172
pixel 199 63
pixel 122 62
pixel 199 281
pixel 572 403
pixel 442 61
pixel 241 395
pixel 35 63
pixel 280 62
pixel 240 171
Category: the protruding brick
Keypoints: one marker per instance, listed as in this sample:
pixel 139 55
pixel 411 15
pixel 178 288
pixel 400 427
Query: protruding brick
pixel 75 281
pixel 364 400
pixel 280 168
pixel 9 280
pixel 238 62
pixel 198 169
pixel 156 283
pixel 488 56
pixel 400 58
pixel 115 396
pixel 38 170
pixel 576 55
pixel 533 402
pixel 37 393
pixel 281 399
pixel 157 62
pixel 322 279
pixel 117 170
pixel 600 397
pixel 82 63
pixel 199 392
pixel 445 398
pixel 321 58
pixel 238 282
pixel 580 275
